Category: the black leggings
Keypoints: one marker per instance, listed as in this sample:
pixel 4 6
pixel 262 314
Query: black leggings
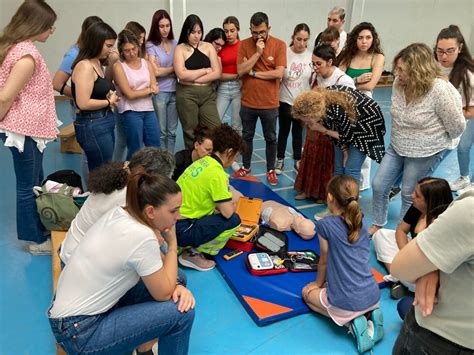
pixel 284 122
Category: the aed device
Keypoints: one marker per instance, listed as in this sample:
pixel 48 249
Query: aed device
pixel 249 210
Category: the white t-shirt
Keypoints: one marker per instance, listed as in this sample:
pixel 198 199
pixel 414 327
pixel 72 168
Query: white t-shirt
pixel 342 40
pixel 95 207
pixel 337 78
pixel 296 76
pixel 113 255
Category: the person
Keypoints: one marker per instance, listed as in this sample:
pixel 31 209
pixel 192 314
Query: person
pixel 261 61
pixel 205 188
pixel 426 117
pixel 114 302
pixel 139 32
pixel 228 91
pixel 136 83
pixel 352 120
pixel 345 289
pixel 27 111
pixel 295 80
pixel 197 66
pixel 317 162
pixel 330 36
pixel 217 38
pixel 336 19
pixel 202 146
pixel 108 187
pixel 430 198
pixel 454 56
pixel 160 47
pixel 94 97
pixel 439 259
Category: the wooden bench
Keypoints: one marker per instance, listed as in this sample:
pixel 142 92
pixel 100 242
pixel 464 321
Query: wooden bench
pixel 386 80
pixel 57 238
pixel 69 144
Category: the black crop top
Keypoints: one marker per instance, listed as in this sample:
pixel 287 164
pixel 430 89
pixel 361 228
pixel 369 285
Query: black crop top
pixel 100 90
pixel 197 60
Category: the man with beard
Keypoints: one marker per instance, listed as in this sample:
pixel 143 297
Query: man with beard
pixel 261 61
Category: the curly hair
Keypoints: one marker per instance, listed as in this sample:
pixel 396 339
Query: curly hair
pixel 312 105
pixel 108 178
pixel 351 49
pixel 422 69
pixel 225 137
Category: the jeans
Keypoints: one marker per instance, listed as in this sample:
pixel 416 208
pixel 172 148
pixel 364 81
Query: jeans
pixel 268 118
pixel 141 129
pixel 414 339
pixel 285 122
pixel 28 167
pixel 228 94
pixel 165 109
pixel 95 135
pixel 464 148
pixel 391 168
pixel 136 319
pixel 353 164
pixel 120 139
pixel 404 306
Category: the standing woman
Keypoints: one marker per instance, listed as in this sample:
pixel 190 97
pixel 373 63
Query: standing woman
pixel 296 79
pixel 27 111
pixel 140 32
pixel 196 65
pixel 93 95
pixel 426 117
pixel 453 54
pixel 136 83
pixel 217 38
pixel 160 47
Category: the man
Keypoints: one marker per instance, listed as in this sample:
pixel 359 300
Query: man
pixel 336 19
pixel 261 61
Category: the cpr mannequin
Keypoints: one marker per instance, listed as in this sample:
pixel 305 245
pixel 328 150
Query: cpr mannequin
pixel 284 218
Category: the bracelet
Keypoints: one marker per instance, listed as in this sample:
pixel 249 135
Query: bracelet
pixel 62 88
pixel 108 102
pixel 253 73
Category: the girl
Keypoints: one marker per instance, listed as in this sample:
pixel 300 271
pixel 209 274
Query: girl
pixel 27 111
pixel 93 95
pixel 160 47
pixel 453 54
pixel 345 289
pixel 216 37
pixel 197 66
pixel 139 32
pixel 295 80
pixel 114 302
pixel 136 83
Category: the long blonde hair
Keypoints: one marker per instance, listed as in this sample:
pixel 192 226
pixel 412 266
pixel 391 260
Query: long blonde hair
pixel 313 104
pixel 32 18
pixel 422 69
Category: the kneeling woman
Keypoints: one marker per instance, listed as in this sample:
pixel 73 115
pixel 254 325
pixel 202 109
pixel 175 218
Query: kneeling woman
pixel 117 290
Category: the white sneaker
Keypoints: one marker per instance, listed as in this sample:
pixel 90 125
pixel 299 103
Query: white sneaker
pixel 461 183
pixel 40 249
pixel 279 166
pixel 297 164
pixel 466 189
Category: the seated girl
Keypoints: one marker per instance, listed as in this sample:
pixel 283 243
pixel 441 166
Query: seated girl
pixel 345 289
pixel 118 292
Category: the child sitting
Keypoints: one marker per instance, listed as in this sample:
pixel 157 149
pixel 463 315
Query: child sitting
pixel 351 295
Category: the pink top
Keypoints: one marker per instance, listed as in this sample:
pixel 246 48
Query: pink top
pixel 33 112
pixel 138 79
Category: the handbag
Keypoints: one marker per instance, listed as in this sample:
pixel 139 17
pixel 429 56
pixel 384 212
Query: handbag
pixel 69 177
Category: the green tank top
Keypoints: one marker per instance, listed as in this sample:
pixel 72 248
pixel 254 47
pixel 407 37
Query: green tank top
pixel 353 73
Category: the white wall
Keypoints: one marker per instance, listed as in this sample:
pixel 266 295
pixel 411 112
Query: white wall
pixel 399 23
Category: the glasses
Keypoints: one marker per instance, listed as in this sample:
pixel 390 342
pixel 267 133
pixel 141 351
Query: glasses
pixel 447 52
pixel 315 65
pixel 52 29
pixel 217 44
pixel 259 33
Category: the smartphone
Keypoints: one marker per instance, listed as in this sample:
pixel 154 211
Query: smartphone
pixel 232 254
pixel 260 261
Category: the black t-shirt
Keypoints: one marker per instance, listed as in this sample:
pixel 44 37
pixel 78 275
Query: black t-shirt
pixel 183 159
pixel 411 217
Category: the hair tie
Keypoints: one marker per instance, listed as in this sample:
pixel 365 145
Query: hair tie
pixel 350 199
pixel 125 166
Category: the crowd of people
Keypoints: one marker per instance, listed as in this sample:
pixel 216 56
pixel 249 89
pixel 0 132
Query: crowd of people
pixel 156 209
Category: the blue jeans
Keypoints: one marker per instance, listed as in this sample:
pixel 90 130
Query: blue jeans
pixel 141 130
pixel 228 94
pixel 391 168
pixel 120 139
pixel 136 319
pixel 95 135
pixel 29 172
pixel 464 148
pixel 268 118
pixel 353 164
pixel 165 109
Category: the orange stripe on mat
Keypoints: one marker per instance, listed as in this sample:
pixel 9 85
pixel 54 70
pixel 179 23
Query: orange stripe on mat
pixel 377 276
pixel 249 178
pixel 264 309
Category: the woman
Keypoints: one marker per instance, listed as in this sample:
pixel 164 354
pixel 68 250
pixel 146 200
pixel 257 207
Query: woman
pixel 295 80
pixel 453 54
pixel 27 111
pixel 426 117
pixel 136 82
pixel 217 38
pixel 196 65
pixel 140 32
pixel 202 146
pixel 160 47
pixel 123 300
pixel 93 95
pixel 332 37
pixel 352 120
pixel 317 163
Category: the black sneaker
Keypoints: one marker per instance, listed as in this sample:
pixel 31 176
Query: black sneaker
pixel 398 290
pixel 394 191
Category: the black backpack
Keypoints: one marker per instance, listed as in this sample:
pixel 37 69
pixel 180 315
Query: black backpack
pixel 69 177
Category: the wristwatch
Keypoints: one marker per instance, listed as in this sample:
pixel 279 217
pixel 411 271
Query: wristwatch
pixel 253 73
